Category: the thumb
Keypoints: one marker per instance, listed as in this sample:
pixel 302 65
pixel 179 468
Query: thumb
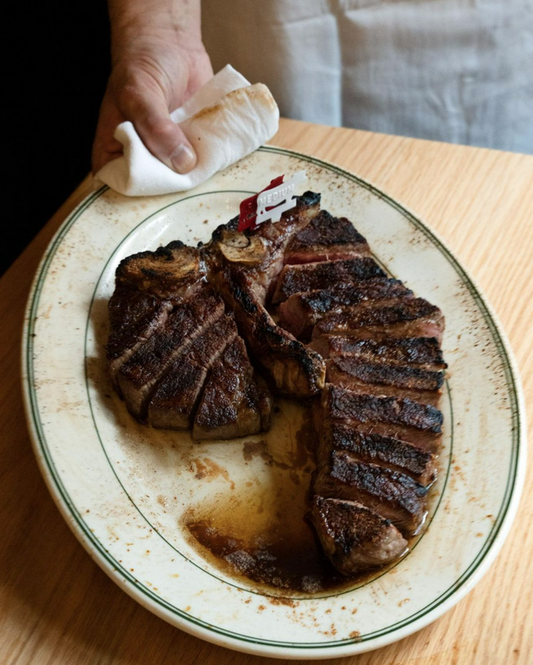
pixel 148 111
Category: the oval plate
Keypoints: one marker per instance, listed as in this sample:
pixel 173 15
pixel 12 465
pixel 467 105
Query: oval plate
pixel 126 490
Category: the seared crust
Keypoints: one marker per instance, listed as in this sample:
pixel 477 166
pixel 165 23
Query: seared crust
pixel 353 536
pixel 174 271
pixel 392 494
pixel 313 276
pixel 326 238
pixel 301 311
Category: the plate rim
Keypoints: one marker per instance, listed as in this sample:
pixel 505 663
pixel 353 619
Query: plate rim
pixel 258 646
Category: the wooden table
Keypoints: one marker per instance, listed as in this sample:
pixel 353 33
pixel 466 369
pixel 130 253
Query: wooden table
pixel 57 606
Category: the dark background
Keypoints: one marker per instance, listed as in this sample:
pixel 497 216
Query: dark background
pixel 56 71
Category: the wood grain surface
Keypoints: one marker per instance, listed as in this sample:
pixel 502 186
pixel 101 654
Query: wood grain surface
pixel 58 607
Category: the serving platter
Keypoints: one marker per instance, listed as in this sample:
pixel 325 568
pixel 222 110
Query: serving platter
pixel 130 493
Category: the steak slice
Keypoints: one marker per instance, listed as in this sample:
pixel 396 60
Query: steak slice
pixel 359 375
pixel 174 400
pixel 174 271
pixel 292 368
pixel 138 376
pixel 387 451
pixel 353 536
pixel 326 238
pixel 392 494
pixel 312 276
pixel 407 317
pixel 414 351
pixel 301 311
pixel 420 424
pixel 235 400
pixel 133 316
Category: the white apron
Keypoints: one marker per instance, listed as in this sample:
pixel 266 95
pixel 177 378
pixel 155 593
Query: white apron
pixel 448 70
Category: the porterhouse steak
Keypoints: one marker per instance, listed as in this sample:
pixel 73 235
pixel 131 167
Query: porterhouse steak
pixel 201 337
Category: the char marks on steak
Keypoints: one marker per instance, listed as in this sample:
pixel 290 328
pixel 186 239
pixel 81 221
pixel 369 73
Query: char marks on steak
pixel 405 317
pixel 174 401
pixel 392 494
pixel 174 271
pixel 354 537
pixel 301 311
pixel 235 400
pixel 312 276
pixel 139 376
pixel 326 238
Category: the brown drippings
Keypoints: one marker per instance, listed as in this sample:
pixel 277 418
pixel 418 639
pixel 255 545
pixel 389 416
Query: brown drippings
pixel 205 468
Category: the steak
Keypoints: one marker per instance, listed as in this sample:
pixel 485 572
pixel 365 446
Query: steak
pixel 301 311
pixel 174 271
pixel 387 451
pixel 289 365
pixel 183 321
pixel 413 351
pixel 173 403
pixel 326 238
pixel 355 537
pixel 406 317
pixel 138 376
pixel 311 276
pixel 376 378
pixel 392 494
pixel 134 316
pixel 235 400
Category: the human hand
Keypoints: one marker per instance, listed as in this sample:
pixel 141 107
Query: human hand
pixel 153 73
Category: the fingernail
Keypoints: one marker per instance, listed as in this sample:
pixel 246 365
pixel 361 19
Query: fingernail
pixel 183 159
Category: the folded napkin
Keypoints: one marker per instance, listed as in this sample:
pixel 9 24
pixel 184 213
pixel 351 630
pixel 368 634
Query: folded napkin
pixel 224 121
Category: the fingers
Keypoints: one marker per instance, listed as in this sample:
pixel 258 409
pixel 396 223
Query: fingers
pixel 105 146
pixel 147 108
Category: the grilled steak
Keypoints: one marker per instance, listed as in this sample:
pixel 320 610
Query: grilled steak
pixel 391 494
pixel 177 357
pixel 134 316
pixel 173 403
pixel 388 451
pixel 355 537
pixel 174 271
pixel 312 276
pixel 407 317
pixel 138 376
pixel 235 401
pixel 301 311
pixel 362 376
pixel 326 238
pixel 291 367
pixel 415 351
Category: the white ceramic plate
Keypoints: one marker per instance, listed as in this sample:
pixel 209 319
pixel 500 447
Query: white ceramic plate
pixel 126 490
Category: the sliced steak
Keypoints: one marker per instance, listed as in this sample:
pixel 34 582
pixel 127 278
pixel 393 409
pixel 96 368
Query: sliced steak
pixel 392 494
pixel 173 403
pixel 313 276
pixel 174 271
pixel 133 316
pixel 326 238
pixel 235 401
pixel 138 376
pixel 301 311
pixel 292 368
pixel 414 351
pixel 407 317
pixel 353 536
pixel 359 375
pixel 420 424
pixel 387 451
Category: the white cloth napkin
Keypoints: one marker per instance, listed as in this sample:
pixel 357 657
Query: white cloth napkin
pixel 224 121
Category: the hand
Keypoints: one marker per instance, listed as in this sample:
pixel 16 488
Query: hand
pixel 152 75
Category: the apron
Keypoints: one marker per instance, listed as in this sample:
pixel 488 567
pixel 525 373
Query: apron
pixel 459 71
